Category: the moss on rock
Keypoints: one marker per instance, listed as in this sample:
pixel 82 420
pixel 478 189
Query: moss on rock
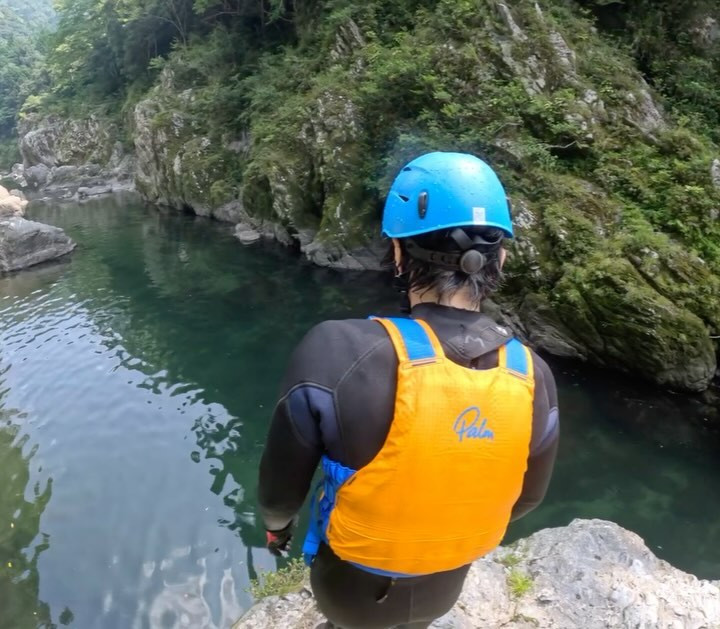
pixel 625 322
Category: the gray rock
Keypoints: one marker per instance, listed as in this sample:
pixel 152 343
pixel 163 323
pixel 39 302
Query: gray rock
pixel 94 191
pixel 272 230
pixel 347 40
pixel 27 243
pixel 62 174
pixel 715 173
pixel 592 574
pixel 545 332
pixel 643 112
pixel 336 256
pixel 16 177
pixel 246 235
pixel 705 32
pixel 38 147
pixel 55 141
pixel 240 145
pixel 37 176
pixel 231 212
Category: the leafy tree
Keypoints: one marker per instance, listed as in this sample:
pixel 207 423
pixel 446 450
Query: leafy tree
pixel 22 27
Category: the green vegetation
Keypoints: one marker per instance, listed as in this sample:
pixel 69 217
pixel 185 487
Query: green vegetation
pixel 411 75
pixel 602 117
pixel 519 583
pixel 22 25
pixel 286 580
pixel 21 538
pixel 510 560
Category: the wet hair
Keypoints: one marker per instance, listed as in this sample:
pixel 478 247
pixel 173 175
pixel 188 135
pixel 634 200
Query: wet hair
pixel 423 275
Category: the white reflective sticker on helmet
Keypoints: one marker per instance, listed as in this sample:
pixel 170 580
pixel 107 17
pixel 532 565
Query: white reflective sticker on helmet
pixel 478 215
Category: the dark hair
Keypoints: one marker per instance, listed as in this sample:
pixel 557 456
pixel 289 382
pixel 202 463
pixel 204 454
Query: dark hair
pixel 424 275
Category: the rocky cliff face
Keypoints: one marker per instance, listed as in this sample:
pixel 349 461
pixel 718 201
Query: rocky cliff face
pixel 616 204
pixel 591 574
pixel 71 157
pixel 306 195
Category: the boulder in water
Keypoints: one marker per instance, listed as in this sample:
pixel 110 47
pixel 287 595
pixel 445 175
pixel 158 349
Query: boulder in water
pixel 37 176
pixel 246 234
pixel 85 192
pixel 26 243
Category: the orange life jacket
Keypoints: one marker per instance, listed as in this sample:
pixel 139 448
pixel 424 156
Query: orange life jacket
pixel 439 493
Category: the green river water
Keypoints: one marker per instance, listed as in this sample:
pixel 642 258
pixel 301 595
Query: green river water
pixel 136 386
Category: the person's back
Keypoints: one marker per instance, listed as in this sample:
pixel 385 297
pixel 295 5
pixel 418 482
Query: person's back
pixel 433 430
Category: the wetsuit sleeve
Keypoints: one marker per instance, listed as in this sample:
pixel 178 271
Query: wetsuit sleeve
pixel 336 398
pixel 544 441
pixel 294 445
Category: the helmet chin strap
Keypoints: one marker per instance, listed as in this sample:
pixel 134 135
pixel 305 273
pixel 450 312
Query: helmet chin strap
pixel 402 285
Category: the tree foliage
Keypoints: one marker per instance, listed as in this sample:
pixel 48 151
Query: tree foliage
pixel 677 46
pixel 21 28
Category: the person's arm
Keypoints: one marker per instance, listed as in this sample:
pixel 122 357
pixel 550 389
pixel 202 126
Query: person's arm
pixel 544 442
pixel 289 461
pixel 294 444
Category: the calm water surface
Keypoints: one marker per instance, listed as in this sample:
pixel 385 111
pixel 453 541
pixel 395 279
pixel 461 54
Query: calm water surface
pixel 136 384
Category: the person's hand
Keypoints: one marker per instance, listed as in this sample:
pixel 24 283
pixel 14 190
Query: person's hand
pixel 278 542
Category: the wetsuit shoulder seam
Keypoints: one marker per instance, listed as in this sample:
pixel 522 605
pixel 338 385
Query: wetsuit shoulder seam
pixel 379 343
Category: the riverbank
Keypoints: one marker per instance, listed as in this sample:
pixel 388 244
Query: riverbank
pixel 591 574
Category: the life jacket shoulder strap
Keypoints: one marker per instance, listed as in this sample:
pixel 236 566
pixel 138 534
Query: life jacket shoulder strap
pixel 413 339
pixel 516 358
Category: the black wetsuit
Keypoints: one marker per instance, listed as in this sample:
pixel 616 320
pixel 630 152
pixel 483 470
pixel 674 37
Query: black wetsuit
pixel 338 399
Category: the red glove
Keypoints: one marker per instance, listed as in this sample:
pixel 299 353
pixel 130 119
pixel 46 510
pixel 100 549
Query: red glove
pixel 278 542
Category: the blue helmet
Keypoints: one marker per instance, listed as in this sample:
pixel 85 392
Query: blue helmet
pixel 445 190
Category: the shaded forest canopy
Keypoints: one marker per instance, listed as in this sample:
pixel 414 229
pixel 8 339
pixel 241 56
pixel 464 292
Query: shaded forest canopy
pixel 106 50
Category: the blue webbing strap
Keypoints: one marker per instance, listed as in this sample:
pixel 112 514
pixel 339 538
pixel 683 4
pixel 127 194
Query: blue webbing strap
pixel 516 357
pixel 314 536
pixel 334 476
pixel 417 342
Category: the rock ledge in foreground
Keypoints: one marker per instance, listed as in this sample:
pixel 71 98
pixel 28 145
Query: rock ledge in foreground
pixel 591 574
pixel 26 243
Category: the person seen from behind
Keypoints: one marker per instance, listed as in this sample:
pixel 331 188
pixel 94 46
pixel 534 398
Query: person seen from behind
pixel 433 430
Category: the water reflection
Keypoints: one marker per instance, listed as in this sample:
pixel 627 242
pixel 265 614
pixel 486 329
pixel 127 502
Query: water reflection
pixel 157 350
pixel 21 539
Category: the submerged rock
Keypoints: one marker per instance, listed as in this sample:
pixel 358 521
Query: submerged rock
pixel 246 235
pixel 94 191
pixel 27 243
pixel 591 574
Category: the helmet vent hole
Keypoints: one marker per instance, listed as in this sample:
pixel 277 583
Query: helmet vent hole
pixel 406 169
pixel 404 198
